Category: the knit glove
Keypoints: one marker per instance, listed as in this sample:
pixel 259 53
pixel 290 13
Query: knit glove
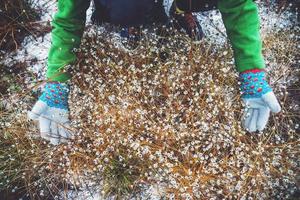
pixel 52 112
pixel 259 100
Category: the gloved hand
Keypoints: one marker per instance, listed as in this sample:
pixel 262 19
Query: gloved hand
pixel 52 112
pixel 258 98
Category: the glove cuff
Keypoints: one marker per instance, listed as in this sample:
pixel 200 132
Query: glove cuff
pixel 56 95
pixel 252 71
pixel 254 83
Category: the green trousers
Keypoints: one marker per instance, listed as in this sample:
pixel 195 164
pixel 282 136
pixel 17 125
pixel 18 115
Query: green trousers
pixel 240 18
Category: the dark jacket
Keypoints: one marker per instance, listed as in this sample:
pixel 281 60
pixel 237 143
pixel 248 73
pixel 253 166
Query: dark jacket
pixel 129 12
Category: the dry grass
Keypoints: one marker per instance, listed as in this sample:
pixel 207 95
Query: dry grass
pixel 167 113
pixel 18 19
pixel 143 120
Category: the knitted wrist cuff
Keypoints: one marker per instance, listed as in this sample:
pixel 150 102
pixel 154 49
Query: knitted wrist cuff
pixel 254 84
pixel 56 95
pixel 252 71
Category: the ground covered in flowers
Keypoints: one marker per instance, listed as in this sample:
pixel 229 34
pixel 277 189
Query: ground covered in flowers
pixel 161 120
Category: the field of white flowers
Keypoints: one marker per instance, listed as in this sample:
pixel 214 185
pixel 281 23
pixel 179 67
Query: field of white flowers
pixel 160 121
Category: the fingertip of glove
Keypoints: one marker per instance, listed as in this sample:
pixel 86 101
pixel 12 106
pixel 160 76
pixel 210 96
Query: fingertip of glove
pixel 277 109
pixel 252 130
pixel 32 115
pixel 275 106
pixel 271 100
pixel 260 128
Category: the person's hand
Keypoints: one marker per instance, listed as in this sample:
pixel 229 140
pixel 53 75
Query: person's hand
pixel 259 100
pixel 52 112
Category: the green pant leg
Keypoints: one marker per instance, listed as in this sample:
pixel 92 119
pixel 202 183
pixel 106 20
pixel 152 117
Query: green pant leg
pixel 68 25
pixel 241 20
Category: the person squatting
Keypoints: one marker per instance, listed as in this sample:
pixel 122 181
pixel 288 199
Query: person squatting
pixel 241 21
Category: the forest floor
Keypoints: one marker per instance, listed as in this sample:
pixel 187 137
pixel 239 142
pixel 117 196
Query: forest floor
pixel 138 136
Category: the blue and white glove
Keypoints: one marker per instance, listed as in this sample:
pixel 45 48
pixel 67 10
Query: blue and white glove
pixel 52 112
pixel 259 100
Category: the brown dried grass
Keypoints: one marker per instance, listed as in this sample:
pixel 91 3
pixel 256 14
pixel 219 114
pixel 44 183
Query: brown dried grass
pixel 18 19
pixel 139 120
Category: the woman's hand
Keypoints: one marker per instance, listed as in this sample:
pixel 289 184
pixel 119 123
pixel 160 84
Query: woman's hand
pixel 52 112
pixel 259 99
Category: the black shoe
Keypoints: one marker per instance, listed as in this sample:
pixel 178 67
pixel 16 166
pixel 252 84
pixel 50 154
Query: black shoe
pixel 188 22
pixel 130 37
